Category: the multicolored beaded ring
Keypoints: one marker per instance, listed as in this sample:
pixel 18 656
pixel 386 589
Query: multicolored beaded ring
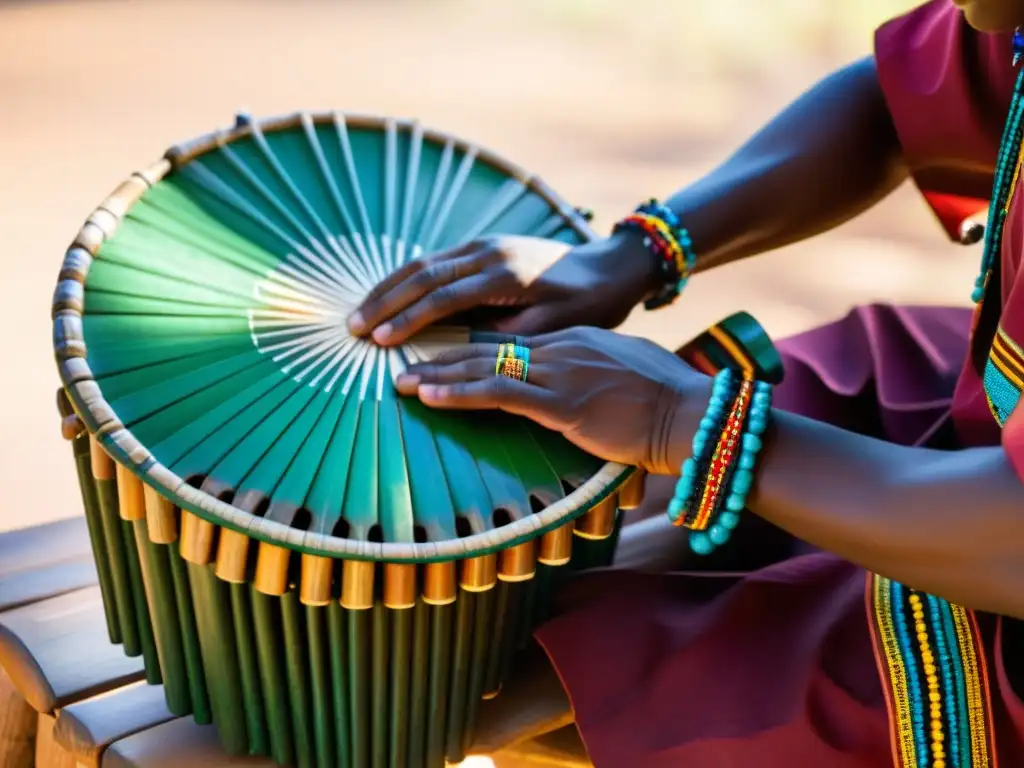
pixel 513 360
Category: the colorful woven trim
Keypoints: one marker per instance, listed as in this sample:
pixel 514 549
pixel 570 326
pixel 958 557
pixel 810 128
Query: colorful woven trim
pixel 932 665
pixel 1004 376
pixel 930 656
pixel 738 342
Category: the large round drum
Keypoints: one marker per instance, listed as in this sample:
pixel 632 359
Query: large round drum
pixel 330 573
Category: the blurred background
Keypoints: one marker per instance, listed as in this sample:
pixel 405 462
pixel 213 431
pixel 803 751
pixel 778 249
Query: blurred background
pixel 610 101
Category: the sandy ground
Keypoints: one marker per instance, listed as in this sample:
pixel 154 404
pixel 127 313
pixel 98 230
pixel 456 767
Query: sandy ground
pixel 581 92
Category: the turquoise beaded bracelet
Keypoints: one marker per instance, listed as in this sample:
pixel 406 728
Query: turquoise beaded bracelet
pixel 714 482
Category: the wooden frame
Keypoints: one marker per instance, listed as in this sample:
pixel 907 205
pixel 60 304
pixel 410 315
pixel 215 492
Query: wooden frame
pixel 117 440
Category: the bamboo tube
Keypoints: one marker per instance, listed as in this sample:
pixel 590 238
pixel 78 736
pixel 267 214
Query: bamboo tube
pixel 399 585
pixel 479 574
pixel 518 563
pixel 196 539
pixel 130 496
pixel 315 582
pixel 439 583
pixel 102 464
pixel 232 556
pixel 631 494
pixel 272 569
pixel 556 546
pixel 599 521
pixel 357 584
pixel 163 528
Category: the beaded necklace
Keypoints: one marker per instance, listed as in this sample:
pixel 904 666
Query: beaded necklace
pixel 1007 172
pixel 929 651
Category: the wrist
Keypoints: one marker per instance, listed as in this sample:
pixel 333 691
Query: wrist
pixel 679 417
pixel 670 245
pixel 636 263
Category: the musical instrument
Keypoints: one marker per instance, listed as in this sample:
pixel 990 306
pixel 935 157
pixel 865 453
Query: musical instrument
pixel 329 573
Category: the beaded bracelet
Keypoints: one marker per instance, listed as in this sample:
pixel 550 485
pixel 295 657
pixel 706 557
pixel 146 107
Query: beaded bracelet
pixel 715 481
pixel 670 244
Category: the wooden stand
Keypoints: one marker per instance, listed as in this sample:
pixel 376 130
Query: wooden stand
pixel 49 754
pixel 17 727
pixel 71 699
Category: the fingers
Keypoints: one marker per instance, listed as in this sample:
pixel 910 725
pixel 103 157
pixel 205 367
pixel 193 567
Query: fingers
pixel 466 378
pixel 493 393
pixel 468 363
pixel 465 363
pixel 466 370
pixel 436 303
pixel 367 313
pixel 415 280
pixel 540 318
pixel 487 349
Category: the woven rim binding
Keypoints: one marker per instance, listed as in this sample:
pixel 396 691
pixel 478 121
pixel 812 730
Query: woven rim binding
pixel 101 421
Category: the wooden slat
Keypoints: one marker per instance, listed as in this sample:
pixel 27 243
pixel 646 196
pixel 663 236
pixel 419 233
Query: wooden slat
pixel 17 727
pixel 48 753
pixel 175 744
pixel 86 728
pixel 57 651
pixel 34 584
pixel 43 545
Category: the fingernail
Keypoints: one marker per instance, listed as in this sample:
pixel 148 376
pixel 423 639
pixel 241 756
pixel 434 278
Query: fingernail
pixel 356 322
pixel 429 392
pixel 382 333
pixel 407 382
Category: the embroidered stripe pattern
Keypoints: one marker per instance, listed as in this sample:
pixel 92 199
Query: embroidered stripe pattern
pixel 935 680
pixel 1004 376
pixel 735 350
pixel 893 671
pixel 954 686
pixel 913 631
pixel 979 704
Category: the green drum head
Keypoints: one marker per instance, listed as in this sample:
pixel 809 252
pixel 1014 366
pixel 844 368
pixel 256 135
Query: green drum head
pixel 208 348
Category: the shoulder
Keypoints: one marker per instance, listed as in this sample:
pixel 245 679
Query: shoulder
pixel 931 48
pixel 947 88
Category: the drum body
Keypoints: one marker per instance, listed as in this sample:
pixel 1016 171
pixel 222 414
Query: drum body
pixel 329 573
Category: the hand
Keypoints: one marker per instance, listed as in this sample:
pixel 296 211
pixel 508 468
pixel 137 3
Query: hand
pixel 616 397
pixel 549 285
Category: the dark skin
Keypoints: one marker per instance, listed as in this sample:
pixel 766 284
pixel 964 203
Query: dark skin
pixel 992 15
pixel 770 193
pixel 903 508
pixel 631 401
pixel 589 382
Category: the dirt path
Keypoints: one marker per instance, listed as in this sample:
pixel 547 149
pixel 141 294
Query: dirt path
pixel 90 91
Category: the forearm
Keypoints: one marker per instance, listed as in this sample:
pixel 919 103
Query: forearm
pixel 948 523
pixel 823 160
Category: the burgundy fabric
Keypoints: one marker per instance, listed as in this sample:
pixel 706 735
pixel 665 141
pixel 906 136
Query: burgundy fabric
pixel 774 667
pixel 948 89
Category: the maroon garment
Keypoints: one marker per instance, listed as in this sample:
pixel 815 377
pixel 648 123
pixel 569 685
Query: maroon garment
pixel 775 667
pixel 948 90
